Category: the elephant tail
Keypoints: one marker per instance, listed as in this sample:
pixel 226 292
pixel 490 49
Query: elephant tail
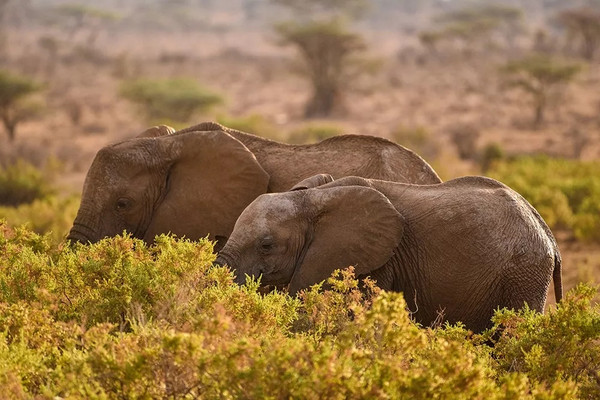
pixel 557 277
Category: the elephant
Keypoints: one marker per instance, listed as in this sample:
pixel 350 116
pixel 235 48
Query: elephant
pixel 195 182
pixel 461 248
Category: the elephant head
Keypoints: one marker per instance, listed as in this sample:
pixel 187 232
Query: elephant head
pixel 295 238
pixel 158 182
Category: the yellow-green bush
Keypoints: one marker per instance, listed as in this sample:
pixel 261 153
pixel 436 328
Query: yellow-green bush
pixel 52 214
pixel 22 183
pixel 561 345
pixel 565 192
pixel 28 197
pixel 166 100
pixel 120 320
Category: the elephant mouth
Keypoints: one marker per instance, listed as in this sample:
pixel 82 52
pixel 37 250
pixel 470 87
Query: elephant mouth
pixel 222 260
pixel 240 277
pixel 274 282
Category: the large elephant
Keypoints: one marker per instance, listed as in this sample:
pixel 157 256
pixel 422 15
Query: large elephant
pixel 462 248
pixel 197 181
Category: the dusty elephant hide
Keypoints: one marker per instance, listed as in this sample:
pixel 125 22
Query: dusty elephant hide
pixel 196 182
pixel 462 248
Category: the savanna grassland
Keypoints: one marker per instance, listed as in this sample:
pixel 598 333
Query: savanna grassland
pixel 503 89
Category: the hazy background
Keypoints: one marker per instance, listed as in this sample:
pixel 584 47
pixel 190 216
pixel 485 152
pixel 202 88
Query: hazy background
pixel 464 83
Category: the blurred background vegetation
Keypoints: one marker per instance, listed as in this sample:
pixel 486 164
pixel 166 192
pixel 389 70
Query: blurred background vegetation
pixel 508 89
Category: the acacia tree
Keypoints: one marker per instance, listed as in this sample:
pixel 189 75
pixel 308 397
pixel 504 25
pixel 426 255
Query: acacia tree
pixel 542 77
pixel 326 46
pixel 174 100
pixel 583 25
pixel 14 89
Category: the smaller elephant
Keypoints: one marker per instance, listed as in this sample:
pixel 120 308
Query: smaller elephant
pixel 462 248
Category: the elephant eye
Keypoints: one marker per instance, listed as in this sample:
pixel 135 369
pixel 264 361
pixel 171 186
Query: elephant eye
pixel 123 204
pixel 266 244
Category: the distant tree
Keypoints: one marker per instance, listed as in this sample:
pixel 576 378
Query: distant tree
pixel 583 25
pixel 14 107
pixel 542 77
pixel 328 48
pixel 174 100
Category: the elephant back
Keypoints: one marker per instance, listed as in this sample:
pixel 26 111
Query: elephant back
pixel 341 156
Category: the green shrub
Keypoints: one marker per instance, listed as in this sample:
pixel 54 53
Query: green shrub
pixel 565 192
pixel 120 320
pixel 50 215
pixel 587 221
pixel 418 139
pixel 565 344
pixel 166 100
pixel 490 154
pixel 21 183
pixel 24 259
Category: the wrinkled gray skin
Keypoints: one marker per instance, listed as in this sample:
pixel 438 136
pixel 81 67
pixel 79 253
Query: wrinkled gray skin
pixel 464 247
pixel 197 181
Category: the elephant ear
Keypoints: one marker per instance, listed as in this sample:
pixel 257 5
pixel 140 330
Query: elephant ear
pixel 353 226
pixel 157 131
pixel 212 177
pixel 312 182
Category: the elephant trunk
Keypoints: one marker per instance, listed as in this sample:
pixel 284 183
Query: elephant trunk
pixel 82 230
pixel 81 233
pixel 224 259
